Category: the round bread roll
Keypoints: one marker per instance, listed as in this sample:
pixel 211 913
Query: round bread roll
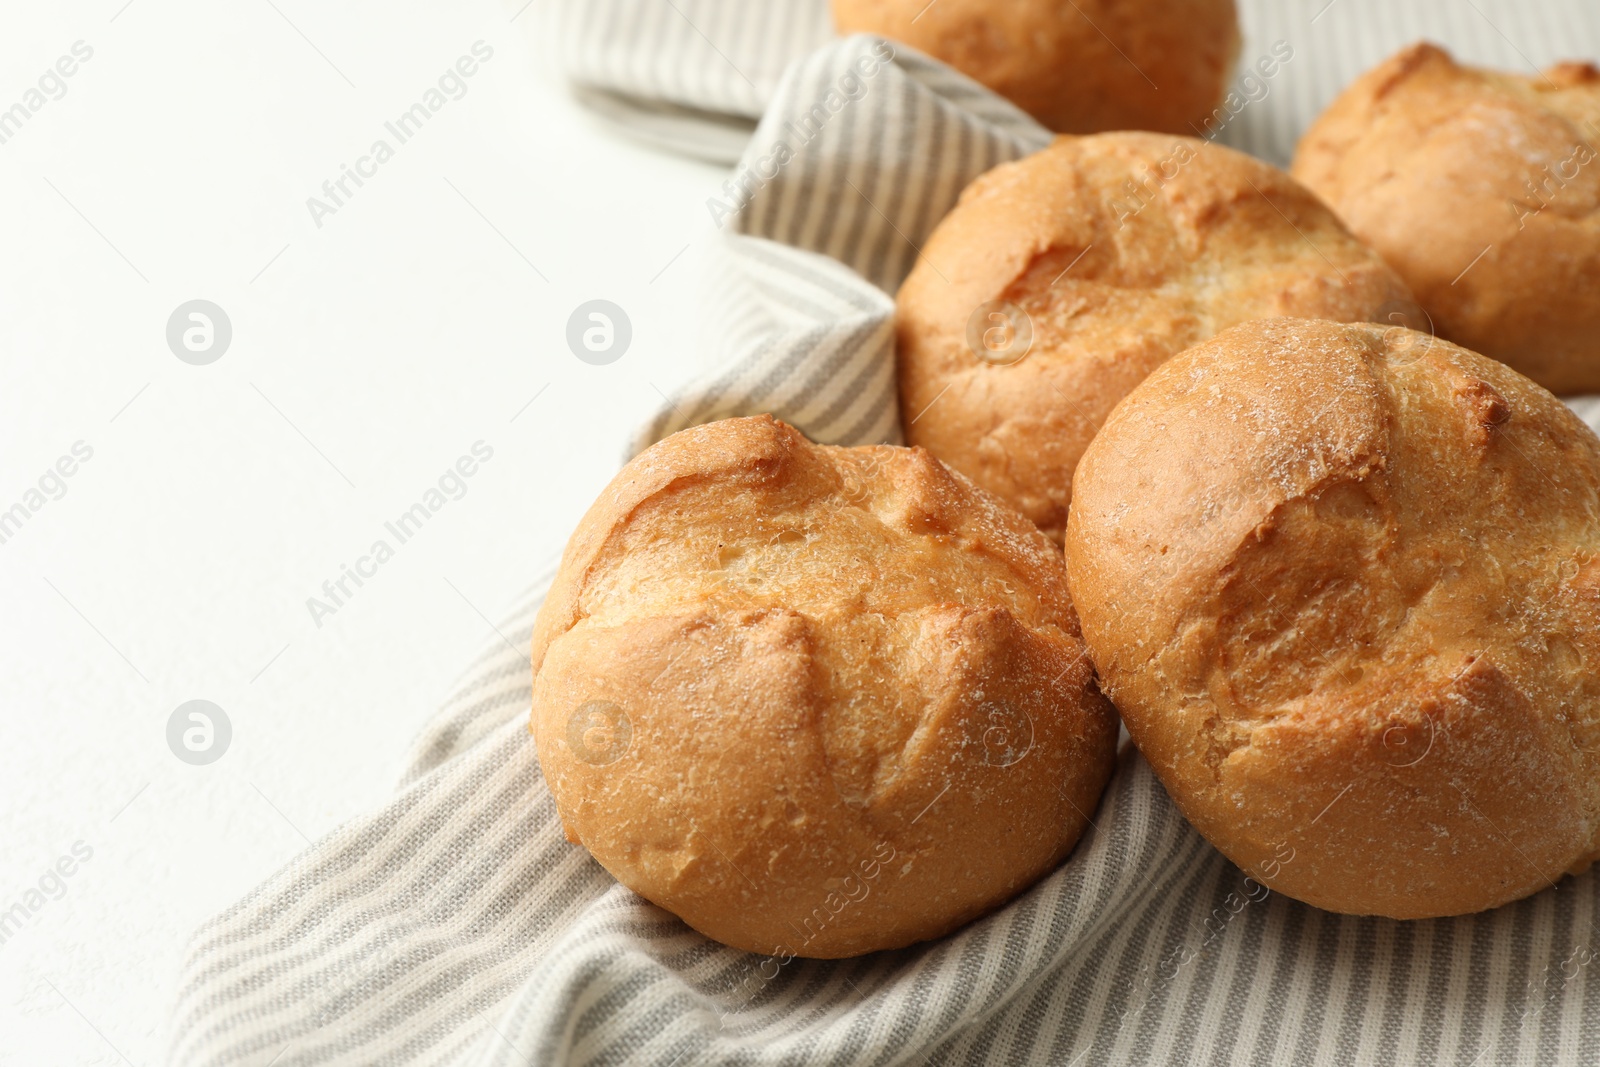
pixel 816 701
pixel 1483 190
pixel 1343 584
pixel 1078 66
pixel 1059 281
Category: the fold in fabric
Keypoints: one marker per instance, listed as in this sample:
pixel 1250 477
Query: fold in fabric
pixel 866 147
pixel 712 55
pixel 457 925
pixel 658 69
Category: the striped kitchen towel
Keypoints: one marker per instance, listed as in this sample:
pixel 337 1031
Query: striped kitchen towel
pixel 693 75
pixel 456 925
pixel 663 70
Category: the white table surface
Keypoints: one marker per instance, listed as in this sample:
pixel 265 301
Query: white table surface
pixel 367 356
pixel 177 564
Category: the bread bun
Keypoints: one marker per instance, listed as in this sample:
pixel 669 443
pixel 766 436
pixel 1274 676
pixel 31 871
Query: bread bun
pixel 817 701
pixel 1343 584
pixel 1483 190
pixel 1078 66
pixel 1114 252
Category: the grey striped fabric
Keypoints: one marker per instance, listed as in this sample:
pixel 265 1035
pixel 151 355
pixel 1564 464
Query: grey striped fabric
pixel 457 926
pixel 800 316
pixel 665 70
pixel 661 65
pixel 682 51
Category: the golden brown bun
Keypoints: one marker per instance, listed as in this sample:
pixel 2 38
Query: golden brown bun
pixel 1078 66
pixel 1112 289
pixel 817 701
pixel 1343 584
pixel 1436 165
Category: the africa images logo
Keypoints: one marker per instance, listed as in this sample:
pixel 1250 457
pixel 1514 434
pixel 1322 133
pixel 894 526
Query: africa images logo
pixel 336 191
pixel 52 81
pixel 338 591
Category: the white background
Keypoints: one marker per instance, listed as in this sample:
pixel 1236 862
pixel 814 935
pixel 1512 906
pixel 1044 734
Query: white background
pixel 367 355
pixel 394 337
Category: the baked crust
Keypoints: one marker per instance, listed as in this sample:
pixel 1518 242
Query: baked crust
pixel 1343 584
pixel 1483 190
pixel 816 701
pixel 1121 250
pixel 1077 67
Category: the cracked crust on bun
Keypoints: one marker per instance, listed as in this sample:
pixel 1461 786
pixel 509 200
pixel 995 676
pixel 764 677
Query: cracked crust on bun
pixel 1343 583
pixel 1113 252
pixel 1483 190
pixel 816 701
